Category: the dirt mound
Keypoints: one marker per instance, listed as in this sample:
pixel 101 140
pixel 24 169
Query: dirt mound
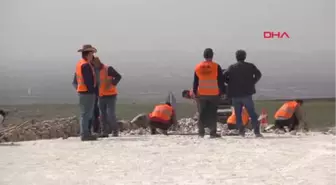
pixel 48 129
pixel 69 127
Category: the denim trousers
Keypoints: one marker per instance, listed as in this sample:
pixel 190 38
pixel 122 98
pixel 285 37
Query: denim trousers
pixel 86 106
pixel 107 107
pixel 247 102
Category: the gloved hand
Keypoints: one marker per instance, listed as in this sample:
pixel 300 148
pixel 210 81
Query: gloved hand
pixel 223 96
pixel 305 127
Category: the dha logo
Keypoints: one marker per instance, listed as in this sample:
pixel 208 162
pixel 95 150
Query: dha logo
pixel 278 35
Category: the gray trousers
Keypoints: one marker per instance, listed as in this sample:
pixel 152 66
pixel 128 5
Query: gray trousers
pixel 86 106
pixel 107 107
pixel 207 108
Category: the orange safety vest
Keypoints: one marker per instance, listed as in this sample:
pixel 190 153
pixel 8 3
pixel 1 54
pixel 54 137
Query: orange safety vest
pixel 232 119
pixel 286 110
pixel 106 88
pixel 162 111
pixel 81 87
pixel 207 73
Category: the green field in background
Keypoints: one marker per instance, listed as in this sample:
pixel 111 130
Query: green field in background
pixel 320 113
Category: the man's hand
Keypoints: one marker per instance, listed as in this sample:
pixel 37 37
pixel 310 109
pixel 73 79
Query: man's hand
pixel 223 96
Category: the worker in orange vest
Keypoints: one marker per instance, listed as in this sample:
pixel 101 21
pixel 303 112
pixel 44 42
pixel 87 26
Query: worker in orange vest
pixel 162 117
pixel 85 83
pixel 208 86
pixel 107 81
pixel 231 121
pixel 290 114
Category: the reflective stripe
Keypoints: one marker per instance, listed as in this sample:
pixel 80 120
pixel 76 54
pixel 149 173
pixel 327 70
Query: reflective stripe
pixel 80 80
pixel 208 84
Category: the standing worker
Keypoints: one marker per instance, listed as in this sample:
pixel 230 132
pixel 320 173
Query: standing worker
pixel 162 117
pixel 207 88
pixel 107 80
pixel 290 115
pixel 86 84
pixel 94 123
pixel 241 78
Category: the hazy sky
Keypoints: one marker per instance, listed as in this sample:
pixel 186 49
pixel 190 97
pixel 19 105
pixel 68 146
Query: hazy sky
pixel 49 28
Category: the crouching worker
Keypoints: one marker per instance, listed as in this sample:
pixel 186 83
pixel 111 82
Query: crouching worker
pixel 290 115
pixel 162 117
pixel 231 121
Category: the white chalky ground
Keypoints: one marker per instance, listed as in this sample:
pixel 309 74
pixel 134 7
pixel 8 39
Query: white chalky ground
pixel 171 160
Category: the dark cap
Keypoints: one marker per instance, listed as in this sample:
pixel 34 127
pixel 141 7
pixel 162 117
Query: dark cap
pixel 299 101
pixel 208 53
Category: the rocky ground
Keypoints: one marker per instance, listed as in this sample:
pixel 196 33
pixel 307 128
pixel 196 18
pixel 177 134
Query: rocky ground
pixel 69 127
pixel 181 158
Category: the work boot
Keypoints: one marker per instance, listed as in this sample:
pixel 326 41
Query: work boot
pixel 153 131
pixel 258 135
pixel 201 133
pixel 242 131
pixel 103 135
pixel 257 132
pixel 89 138
pixel 213 136
pixel 115 134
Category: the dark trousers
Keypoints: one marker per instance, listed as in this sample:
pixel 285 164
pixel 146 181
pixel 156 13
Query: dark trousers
pixel 232 126
pixel 94 123
pixel 207 108
pixel 238 104
pixel 155 124
pixel 107 106
pixel 292 123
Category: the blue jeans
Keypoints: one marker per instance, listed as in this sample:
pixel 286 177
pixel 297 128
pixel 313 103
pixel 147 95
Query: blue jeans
pixel 86 105
pixel 107 106
pixel 246 101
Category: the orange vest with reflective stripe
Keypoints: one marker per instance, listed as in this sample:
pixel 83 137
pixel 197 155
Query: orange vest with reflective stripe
pixel 207 73
pixel 286 110
pixel 106 88
pixel 162 111
pixel 232 119
pixel 81 87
